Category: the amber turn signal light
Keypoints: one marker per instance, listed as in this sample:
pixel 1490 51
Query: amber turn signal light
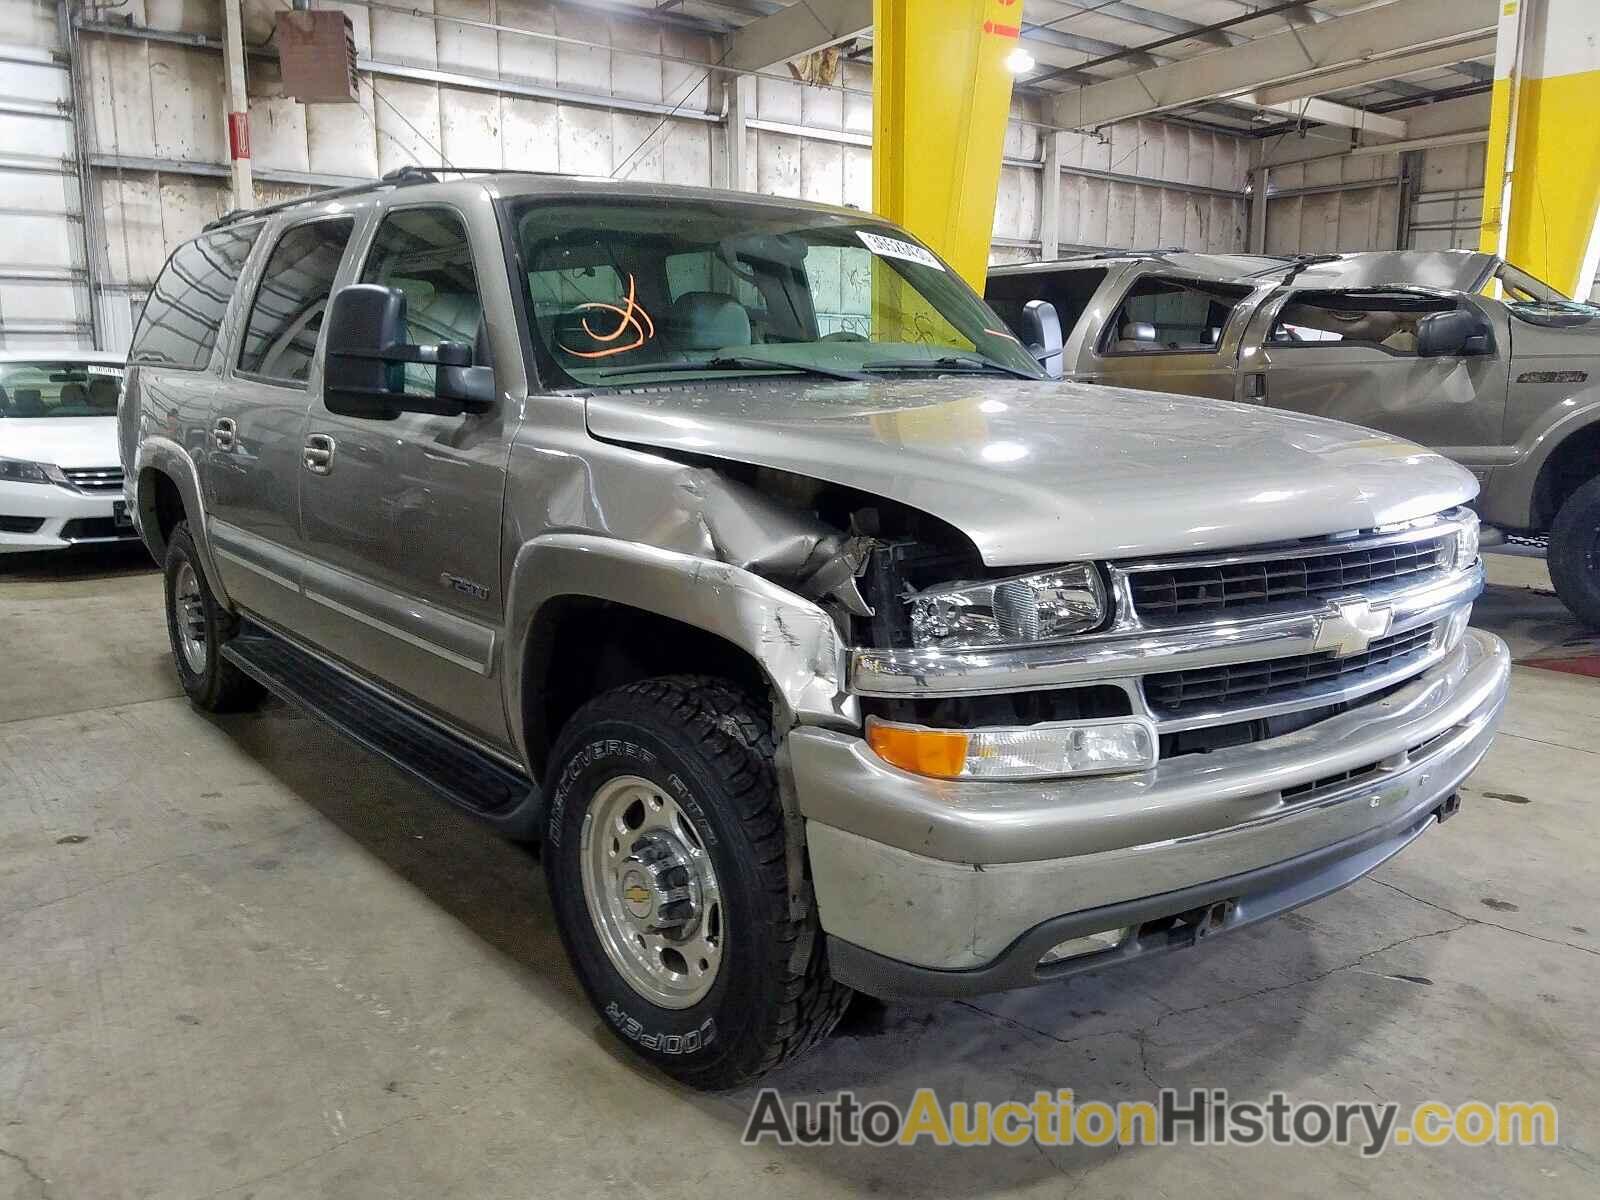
pixel 937 752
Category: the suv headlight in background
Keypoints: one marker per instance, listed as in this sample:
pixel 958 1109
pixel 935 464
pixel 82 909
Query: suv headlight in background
pixel 1467 542
pixel 1030 608
pixel 14 470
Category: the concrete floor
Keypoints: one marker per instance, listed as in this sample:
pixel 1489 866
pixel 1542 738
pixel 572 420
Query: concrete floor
pixel 244 959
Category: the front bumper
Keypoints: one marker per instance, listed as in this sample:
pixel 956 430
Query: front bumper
pixel 64 518
pixel 926 886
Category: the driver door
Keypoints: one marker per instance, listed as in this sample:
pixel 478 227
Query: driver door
pixel 402 517
pixel 1353 356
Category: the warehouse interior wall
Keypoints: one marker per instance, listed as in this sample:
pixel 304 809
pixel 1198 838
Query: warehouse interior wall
pixel 637 104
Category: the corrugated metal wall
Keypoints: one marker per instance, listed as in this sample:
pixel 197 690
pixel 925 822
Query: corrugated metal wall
pixel 44 294
pixel 480 97
pixel 1325 205
pixel 1447 209
pixel 1186 188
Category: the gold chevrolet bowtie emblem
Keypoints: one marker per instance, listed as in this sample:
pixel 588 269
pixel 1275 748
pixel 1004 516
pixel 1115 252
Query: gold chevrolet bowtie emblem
pixel 1351 627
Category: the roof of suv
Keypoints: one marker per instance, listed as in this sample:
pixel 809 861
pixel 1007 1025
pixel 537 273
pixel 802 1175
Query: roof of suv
pixel 1454 270
pixel 529 183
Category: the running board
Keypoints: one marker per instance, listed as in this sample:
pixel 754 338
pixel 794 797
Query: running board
pixel 461 773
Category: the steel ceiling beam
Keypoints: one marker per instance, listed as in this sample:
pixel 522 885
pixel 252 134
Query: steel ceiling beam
pixel 795 31
pixel 1375 71
pixel 1326 112
pixel 1139 15
pixel 1328 46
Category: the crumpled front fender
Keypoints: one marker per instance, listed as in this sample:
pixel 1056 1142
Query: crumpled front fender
pixel 793 640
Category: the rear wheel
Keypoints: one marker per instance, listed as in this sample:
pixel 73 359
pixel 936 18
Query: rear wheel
pixel 198 626
pixel 1574 554
pixel 666 859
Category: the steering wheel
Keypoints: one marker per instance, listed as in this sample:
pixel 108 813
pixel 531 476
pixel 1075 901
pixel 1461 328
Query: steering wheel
pixel 843 335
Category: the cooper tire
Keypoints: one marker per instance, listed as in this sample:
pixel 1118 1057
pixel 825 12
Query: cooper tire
pixel 701 749
pixel 197 627
pixel 1574 554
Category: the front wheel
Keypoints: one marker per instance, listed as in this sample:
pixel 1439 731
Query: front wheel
pixel 666 859
pixel 1574 554
pixel 198 626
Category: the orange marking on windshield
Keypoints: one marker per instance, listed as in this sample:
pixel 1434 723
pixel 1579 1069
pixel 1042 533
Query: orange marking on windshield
pixel 631 316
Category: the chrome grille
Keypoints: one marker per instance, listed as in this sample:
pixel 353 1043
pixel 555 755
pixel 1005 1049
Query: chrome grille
pixel 94 479
pixel 1181 590
pixel 1175 693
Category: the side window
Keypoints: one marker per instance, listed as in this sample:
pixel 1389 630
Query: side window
pixel 184 311
pixel 1164 315
pixel 1069 290
pixel 1368 319
pixel 424 252
pixel 281 335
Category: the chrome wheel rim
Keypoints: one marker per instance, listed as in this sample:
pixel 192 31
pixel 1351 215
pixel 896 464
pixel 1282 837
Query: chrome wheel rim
pixel 189 618
pixel 651 891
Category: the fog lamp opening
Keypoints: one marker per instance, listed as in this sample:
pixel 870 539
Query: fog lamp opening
pixel 1091 943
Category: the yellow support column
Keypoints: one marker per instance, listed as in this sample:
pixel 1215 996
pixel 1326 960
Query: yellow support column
pixel 1541 196
pixel 941 94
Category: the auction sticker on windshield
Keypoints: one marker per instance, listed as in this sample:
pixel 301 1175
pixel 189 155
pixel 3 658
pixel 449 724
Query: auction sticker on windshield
pixel 888 247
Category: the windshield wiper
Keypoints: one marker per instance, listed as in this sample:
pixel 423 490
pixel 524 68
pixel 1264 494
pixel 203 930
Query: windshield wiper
pixel 950 362
pixel 732 362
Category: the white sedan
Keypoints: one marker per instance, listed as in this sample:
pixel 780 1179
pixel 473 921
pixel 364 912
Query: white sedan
pixel 60 477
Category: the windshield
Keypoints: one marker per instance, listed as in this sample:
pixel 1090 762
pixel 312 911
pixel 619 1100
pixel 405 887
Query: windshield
pixel 1536 302
pixel 623 293
pixel 59 389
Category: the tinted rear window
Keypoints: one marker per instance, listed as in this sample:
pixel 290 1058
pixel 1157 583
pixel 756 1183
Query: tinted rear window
pixel 184 313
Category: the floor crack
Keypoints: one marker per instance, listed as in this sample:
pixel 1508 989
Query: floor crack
pixel 1470 920
pixel 39 1180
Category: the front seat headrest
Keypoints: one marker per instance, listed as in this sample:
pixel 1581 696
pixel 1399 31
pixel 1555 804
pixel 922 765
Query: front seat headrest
pixel 28 403
pixel 1138 331
pixel 103 393
pixel 74 395
pixel 707 321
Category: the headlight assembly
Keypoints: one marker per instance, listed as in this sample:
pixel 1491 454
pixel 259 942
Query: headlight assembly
pixel 1467 543
pixel 1044 751
pixel 14 470
pixel 1030 608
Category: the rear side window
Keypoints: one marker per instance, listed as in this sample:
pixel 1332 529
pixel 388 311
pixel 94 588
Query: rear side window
pixel 424 252
pixel 281 336
pixel 1370 320
pixel 1160 315
pixel 184 313
pixel 1070 292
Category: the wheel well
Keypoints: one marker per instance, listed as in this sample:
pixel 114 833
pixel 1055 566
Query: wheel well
pixel 160 509
pixel 580 647
pixel 1572 464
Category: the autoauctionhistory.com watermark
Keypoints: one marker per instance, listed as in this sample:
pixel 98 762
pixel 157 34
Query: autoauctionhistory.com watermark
pixel 1200 1117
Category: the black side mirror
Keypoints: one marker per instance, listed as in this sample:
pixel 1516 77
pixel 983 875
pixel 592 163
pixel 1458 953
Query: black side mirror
pixel 1041 334
pixel 1455 334
pixel 364 369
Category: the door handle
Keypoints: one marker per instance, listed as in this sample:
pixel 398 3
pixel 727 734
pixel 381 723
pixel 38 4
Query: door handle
pixel 225 433
pixel 319 453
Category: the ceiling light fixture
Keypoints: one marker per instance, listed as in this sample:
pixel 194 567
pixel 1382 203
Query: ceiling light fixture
pixel 1019 61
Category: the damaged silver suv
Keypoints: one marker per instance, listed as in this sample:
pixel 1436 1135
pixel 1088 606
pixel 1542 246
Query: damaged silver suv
pixel 733 549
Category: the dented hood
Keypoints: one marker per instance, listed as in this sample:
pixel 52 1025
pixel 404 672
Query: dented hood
pixel 1044 472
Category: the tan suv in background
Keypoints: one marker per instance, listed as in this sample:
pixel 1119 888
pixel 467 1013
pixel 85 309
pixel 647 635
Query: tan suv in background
pixel 1456 350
